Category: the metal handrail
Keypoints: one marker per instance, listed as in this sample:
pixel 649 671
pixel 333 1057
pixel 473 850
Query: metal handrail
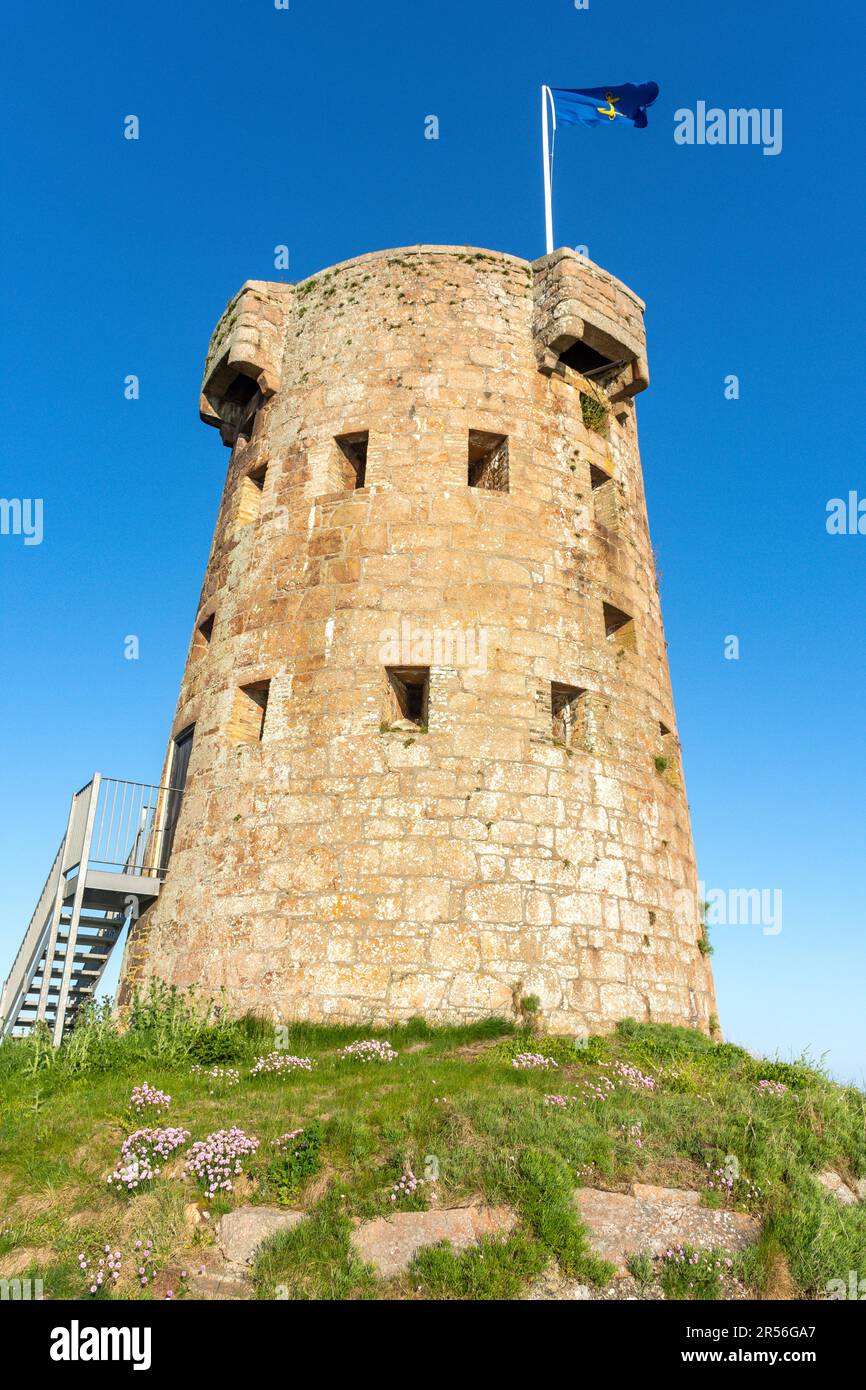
pixel 131 826
pixel 36 927
pixel 115 827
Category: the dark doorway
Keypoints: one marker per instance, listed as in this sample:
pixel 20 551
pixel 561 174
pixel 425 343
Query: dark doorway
pixel 177 783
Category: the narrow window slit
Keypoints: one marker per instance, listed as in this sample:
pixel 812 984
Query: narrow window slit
pixel 605 498
pixel 667 759
pixel 568 712
pixel 619 628
pixel 203 635
pixel 249 712
pixel 250 496
pixel 410 693
pixel 246 400
pixel 352 459
pixel 488 461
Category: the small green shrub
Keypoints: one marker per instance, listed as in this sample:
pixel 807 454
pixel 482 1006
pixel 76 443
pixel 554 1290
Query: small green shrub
pixel 224 1042
pixel 704 939
pixel 664 1042
pixel 640 1267
pixel 296 1163
pixel 792 1074
pixel 258 1032
pixel 164 1020
pixel 730 1054
pixel 28 1056
pixel 593 412
pixel 94 1042
pixel 564 1051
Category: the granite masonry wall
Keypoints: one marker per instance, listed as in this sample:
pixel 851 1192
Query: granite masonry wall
pixel 435 767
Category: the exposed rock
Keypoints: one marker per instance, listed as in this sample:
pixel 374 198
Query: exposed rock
pixel 553 1285
pixel 239 1234
pixel 655 1218
pixel 222 1282
pixel 839 1189
pixel 242 1231
pixel 679 1196
pixel 389 1243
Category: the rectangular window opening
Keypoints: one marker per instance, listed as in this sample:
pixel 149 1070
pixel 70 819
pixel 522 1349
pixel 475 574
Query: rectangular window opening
pixel 488 461
pixel 353 458
pixel 247 427
pixel 619 627
pixel 568 706
pixel 245 400
pixel 203 635
pixel 249 711
pixel 668 757
pixel 585 359
pixel 410 692
pixel 242 391
pixel 605 498
pixel 250 496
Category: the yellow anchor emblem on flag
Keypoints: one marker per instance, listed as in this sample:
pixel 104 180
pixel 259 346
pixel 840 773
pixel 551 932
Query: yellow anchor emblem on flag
pixel 609 109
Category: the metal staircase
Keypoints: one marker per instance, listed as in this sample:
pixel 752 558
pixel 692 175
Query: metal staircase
pixel 110 865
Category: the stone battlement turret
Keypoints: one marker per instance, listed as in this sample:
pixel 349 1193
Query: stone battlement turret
pixel 426 727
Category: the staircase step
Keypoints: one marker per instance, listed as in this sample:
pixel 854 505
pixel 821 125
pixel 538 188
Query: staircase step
pixel 88 919
pixel 81 944
pixel 74 993
pixel 108 933
pixel 82 980
pixel 86 950
pixel 87 965
pixel 83 957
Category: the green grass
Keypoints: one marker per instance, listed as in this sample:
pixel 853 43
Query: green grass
pixel 493 1269
pixel 297 1161
pixel 640 1267
pixel 315 1260
pixel 696 1274
pixel 450 1104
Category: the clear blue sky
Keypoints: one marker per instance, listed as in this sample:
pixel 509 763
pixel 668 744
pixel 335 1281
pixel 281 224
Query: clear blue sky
pixel 306 127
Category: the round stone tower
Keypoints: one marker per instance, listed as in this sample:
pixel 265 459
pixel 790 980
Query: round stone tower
pixel 425 728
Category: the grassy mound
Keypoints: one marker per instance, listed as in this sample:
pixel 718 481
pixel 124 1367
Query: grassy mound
pixel 459 1109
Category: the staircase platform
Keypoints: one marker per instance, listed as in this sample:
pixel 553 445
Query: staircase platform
pixel 110 866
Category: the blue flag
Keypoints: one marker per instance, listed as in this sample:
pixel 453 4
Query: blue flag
pixel 597 105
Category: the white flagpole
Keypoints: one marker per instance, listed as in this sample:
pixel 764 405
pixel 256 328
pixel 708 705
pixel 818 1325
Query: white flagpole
pixel 548 169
